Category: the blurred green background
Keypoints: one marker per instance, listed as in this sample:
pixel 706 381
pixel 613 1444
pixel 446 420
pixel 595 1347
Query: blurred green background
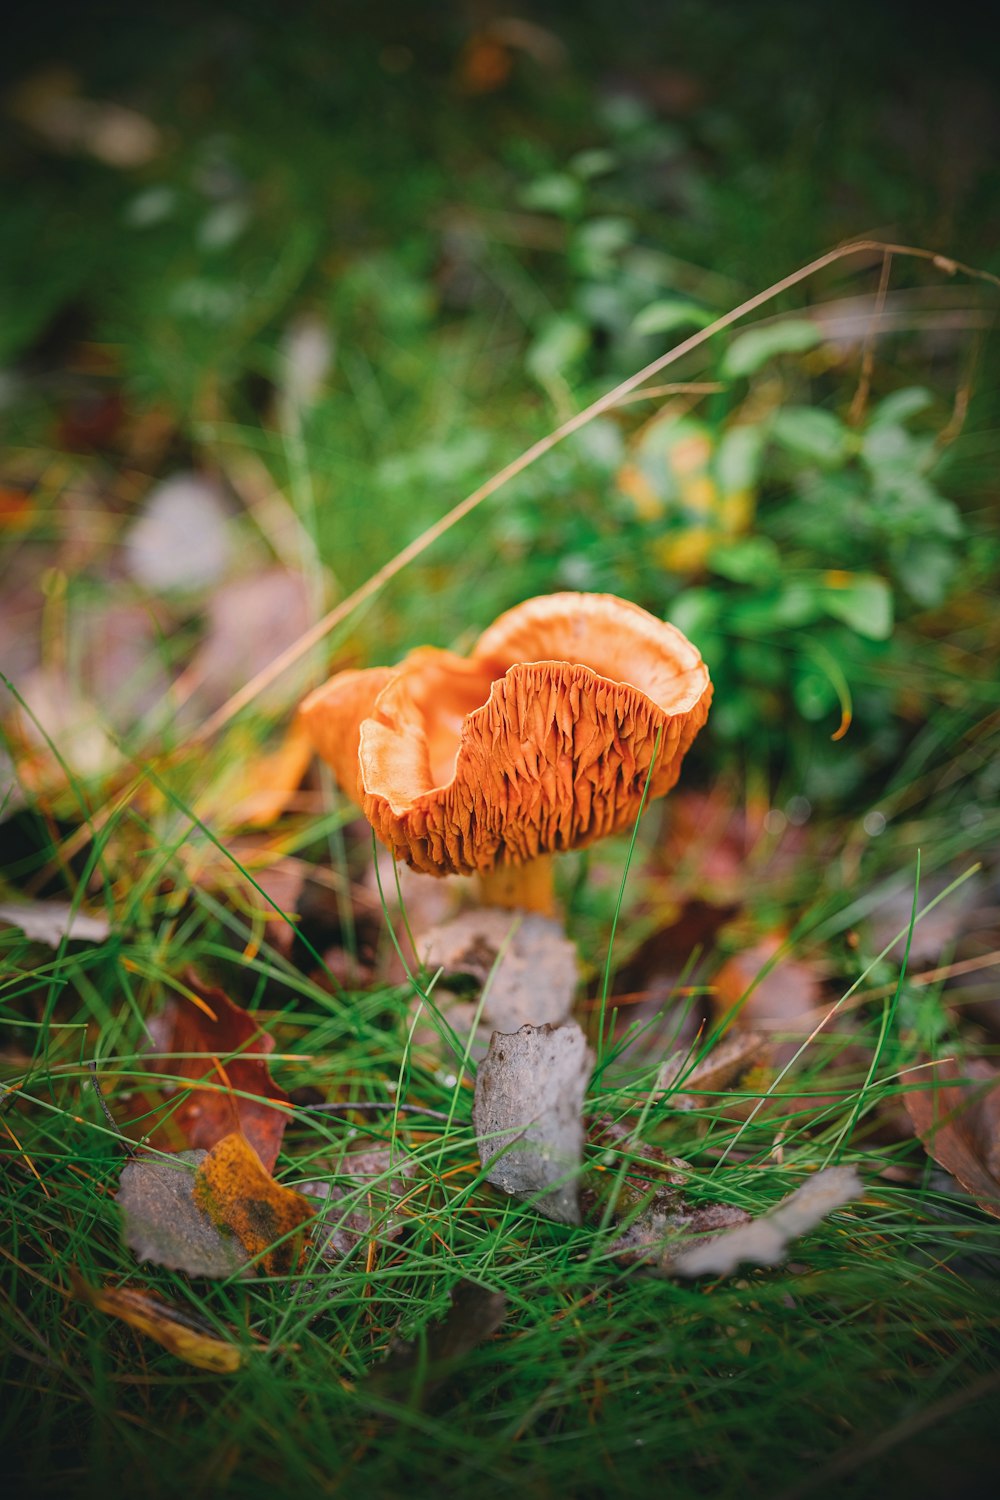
pixel 365 254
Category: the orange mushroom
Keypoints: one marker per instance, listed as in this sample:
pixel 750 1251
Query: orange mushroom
pixel 541 741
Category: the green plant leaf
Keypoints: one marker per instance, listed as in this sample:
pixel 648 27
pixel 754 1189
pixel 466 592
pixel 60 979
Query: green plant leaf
pixel 753 560
pixel 809 432
pixel 669 313
pixel 900 407
pixel 925 569
pixel 597 244
pixel 864 603
pixel 554 193
pixel 561 343
pixel 695 611
pixel 750 350
pixel 737 458
pixel 593 163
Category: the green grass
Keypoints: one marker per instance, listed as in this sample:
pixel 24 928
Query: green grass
pixel 481 280
pixel 601 1380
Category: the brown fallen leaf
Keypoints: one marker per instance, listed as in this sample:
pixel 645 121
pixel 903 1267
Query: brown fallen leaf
pixel 173 1327
pixel 48 102
pixel 648 1197
pixel 162 1223
pixel 218 1032
pixel 528 1115
pixel 764 1241
pixel 359 1204
pixel 250 621
pixel 255 789
pixel 475 1313
pixel 781 1000
pixel 938 932
pixel 663 1218
pixel 958 1122
pixel 729 1058
pixel 237 1193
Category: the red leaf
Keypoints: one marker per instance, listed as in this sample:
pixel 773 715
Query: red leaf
pixel 221 1033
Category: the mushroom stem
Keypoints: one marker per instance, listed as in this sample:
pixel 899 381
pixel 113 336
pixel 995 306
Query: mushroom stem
pixel 525 887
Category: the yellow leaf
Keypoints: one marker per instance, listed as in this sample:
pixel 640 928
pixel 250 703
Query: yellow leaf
pixel 269 1220
pixel 158 1319
pixel 685 551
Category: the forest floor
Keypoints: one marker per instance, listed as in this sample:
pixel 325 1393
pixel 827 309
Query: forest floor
pixel 276 298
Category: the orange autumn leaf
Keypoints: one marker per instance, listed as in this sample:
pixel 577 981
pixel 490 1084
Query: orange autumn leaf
pixel 257 788
pixel 238 1091
pixel 173 1327
pixel 237 1193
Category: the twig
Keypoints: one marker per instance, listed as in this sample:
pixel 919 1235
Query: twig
pixel 388 1104
pixel 123 1140
pixel 863 391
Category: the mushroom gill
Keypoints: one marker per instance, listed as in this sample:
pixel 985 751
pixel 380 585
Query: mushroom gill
pixel 543 740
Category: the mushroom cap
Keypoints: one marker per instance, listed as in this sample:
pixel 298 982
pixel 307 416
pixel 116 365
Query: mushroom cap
pixel 332 716
pixel 541 741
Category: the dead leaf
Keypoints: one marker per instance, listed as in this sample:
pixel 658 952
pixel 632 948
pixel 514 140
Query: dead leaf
pixel 237 1193
pixel 162 1223
pixel 937 932
pixel 274 779
pixel 764 1241
pixel 256 786
pixel 646 1163
pixel 220 1034
pixel 781 1000
pixel 49 922
pixel 529 963
pixel 57 714
pixel 175 1328
pixel 728 1060
pixel 715 839
pixel 251 621
pixel 372 1182
pixel 47 101
pixel 649 1193
pixel 664 1217
pixel 475 1313
pixel 959 1125
pixel 181 539
pixel 528 1115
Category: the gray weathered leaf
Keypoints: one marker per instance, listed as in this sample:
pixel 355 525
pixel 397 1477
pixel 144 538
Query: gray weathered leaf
pixel 181 537
pixel 372 1183
pixel 162 1223
pixel 50 921
pixel 730 1057
pixel 764 1241
pixel 528 1115
pixel 526 960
